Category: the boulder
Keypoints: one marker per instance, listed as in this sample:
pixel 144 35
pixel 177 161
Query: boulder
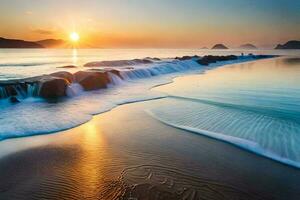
pixel 118 63
pixel 68 67
pixel 92 80
pixel 116 72
pixel 53 87
pixel 206 60
pixel 186 57
pixel 10 90
pixel 65 75
pixel 14 99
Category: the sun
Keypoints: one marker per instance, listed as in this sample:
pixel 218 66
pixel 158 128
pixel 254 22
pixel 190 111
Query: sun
pixel 74 37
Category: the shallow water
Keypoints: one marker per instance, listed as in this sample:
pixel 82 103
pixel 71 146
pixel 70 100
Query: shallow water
pixel 37 116
pixel 127 154
pixel 255 106
pixel 22 63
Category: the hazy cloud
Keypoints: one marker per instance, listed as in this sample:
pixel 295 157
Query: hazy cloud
pixel 28 12
pixel 43 31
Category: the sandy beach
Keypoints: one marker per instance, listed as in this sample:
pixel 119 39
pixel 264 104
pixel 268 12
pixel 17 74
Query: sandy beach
pixel 150 100
pixel 126 153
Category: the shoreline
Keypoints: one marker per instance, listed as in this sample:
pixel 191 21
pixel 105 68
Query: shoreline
pixel 169 80
pixel 101 159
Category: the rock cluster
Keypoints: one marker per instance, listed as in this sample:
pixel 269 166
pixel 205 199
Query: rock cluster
pixel 206 60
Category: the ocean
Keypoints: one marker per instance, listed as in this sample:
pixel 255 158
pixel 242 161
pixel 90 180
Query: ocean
pixel 250 104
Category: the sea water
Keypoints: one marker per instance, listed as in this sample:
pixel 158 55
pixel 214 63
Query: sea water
pixel 254 105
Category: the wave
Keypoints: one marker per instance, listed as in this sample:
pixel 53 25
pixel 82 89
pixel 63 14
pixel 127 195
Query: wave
pixel 29 64
pixel 34 115
pixel 268 136
pixel 291 115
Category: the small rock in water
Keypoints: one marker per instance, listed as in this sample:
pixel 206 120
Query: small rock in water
pixel 14 99
pixel 68 66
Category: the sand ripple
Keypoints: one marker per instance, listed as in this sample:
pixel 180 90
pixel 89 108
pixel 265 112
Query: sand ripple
pixel 156 182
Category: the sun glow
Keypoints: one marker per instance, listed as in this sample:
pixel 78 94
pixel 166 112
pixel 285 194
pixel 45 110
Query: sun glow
pixel 74 37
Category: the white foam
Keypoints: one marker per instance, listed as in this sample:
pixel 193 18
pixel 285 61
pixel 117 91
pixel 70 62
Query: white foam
pixel 239 142
pixel 31 117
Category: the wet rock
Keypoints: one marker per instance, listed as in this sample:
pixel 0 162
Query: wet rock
pixel 92 80
pixel 14 99
pixel 154 58
pixel 186 57
pixel 65 75
pixel 206 60
pixel 53 87
pixel 118 63
pixel 68 67
pixel 11 90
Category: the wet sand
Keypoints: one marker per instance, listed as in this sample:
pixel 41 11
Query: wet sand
pixel 126 154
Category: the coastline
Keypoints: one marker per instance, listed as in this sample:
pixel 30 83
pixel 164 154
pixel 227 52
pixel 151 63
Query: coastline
pixel 166 79
pixel 105 157
pixel 113 155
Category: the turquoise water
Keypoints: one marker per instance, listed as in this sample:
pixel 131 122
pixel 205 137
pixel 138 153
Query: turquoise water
pixel 254 105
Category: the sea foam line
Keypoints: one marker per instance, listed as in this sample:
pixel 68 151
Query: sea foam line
pixel 238 142
pixel 19 122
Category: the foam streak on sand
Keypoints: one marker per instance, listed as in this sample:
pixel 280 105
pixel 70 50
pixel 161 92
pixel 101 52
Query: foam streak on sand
pixel 37 116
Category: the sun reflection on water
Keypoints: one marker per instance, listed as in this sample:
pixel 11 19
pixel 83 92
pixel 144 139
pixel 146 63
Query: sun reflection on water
pixel 74 56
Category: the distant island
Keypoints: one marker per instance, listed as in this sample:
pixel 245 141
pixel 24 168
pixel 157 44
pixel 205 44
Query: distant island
pixel 247 46
pixel 12 43
pixel 15 43
pixel 219 46
pixel 51 43
pixel 293 44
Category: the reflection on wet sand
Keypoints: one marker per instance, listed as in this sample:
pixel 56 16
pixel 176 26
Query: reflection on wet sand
pixel 126 154
pixel 109 158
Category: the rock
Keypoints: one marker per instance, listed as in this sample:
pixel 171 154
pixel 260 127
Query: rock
pixel 206 60
pixel 14 99
pixel 11 90
pixel 65 75
pixel 186 57
pixel 68 67
pixel 154 58
pixel 293 44
pixel 219 46
pixel 118 63
pixel 116 72
pixel 53 87
pixel 92 80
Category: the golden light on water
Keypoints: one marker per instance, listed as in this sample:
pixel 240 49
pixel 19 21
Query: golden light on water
pixel 74 37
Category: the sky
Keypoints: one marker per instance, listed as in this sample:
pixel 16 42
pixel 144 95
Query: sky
pixel 153 23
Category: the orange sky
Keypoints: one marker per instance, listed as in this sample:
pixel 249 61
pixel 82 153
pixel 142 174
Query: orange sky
pixel 152 24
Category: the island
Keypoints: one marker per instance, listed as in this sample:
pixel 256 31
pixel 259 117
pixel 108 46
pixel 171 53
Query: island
pixel 247 46
pixel 292 44
pixel 51 43
pixel 219 46
pixel 13 43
